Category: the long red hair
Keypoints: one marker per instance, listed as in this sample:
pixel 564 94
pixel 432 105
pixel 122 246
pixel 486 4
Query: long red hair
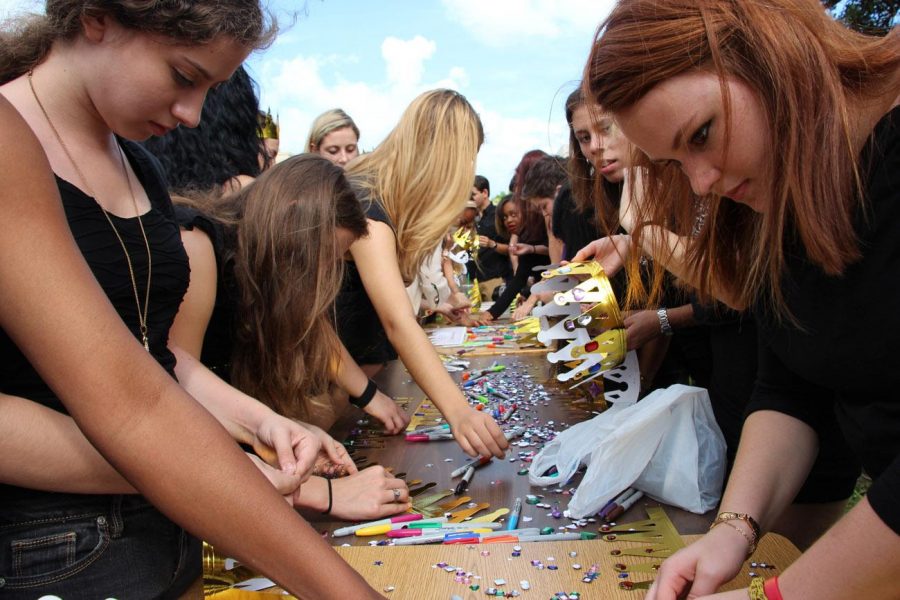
pixel 808 72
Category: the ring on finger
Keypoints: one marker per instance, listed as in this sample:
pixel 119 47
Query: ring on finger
pixel 396 494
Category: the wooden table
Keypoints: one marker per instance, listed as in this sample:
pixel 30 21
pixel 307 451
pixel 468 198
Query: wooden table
pixel 411 572
pixel 497 483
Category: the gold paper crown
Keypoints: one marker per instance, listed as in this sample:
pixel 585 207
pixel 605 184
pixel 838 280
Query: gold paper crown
pixel 269 128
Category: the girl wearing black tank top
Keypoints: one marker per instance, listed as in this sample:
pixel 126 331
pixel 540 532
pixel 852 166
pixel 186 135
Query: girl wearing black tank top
pixel 84 76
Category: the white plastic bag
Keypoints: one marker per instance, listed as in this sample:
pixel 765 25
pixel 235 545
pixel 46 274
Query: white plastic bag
pixel 668 445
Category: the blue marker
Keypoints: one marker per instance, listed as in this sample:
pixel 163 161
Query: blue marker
pixel 514 515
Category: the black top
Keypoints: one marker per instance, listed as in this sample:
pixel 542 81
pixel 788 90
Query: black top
pixel 576 229
pixel 358 324
pixel 527 263
pixel 104 256
pixel 218 341
pixel 490 264
pixel 846 359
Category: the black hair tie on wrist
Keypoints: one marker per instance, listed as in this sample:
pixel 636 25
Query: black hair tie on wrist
pixel 363 399
pixel 327 511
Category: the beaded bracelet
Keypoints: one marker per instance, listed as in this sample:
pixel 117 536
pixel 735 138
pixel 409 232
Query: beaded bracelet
pixel 756 589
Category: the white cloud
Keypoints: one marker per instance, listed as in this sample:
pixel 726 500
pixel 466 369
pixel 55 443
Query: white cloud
pixel 13 8
pixel 507 22
pixel 506 139
pixel 405 59
pixel 302 87
pixel 298 90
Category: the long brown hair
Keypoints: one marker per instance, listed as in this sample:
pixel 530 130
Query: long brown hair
pixel 590 189
pixel 807 71
pixel 288 271
pixel 531 221
pixel 25 42
pixel 422 172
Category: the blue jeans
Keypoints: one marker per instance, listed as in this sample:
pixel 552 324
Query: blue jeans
pixel 92 547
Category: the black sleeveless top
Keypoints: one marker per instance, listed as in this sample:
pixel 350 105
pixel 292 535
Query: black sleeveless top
pixel 358 324
pixel 103 253
pixel 101 249
pixel 218 341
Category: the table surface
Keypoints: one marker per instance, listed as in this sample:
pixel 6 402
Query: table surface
pixel 497 483
pixel 413 573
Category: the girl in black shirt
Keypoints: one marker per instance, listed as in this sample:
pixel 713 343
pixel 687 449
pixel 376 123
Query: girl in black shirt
pixel 787 124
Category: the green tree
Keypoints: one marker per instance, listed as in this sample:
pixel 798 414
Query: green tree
pixel 868 16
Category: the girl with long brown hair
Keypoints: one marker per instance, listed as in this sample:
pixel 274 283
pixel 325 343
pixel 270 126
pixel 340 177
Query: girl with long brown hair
pixel 411 187
pixel 259 311
pixel 87 77
pixel 786 126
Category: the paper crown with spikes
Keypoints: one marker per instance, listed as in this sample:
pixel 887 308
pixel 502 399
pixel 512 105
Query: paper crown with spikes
pixel 269 128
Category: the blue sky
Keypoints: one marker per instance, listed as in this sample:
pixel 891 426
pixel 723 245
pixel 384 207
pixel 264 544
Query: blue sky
pixel 515 60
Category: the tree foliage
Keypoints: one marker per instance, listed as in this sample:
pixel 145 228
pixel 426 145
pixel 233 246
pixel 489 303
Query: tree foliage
pixel 868 16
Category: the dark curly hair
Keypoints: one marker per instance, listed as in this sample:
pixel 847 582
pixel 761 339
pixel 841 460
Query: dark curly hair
pixel 25 42
pixel 224 145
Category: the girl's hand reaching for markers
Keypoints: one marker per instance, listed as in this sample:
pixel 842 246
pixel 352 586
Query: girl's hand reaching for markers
pixel 477 433
pixel 383 408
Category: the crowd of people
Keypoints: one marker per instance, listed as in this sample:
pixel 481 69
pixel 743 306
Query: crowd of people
pixel 171 286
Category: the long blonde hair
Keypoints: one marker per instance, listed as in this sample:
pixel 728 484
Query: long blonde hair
pixel 422 173
pixel 808 72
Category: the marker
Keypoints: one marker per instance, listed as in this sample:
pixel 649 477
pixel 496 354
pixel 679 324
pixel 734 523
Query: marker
pixel 457 526
pixel 422 539
pixel 475 462
pixel 513 521
pixel 614 502
pixel 621 508
pixel 498 393
pixel 517 432
pixel 383 529
pixel 558 537
pixel 407 533
pixel 464 482
pixel 428 437
pixel 508 413
pixel 508 537
pixel 516 532
pixel 435 429
pixel 406 518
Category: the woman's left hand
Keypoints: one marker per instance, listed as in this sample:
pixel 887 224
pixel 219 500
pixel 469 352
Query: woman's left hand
pixel 287 484
pixel 289 445
pixel 641 326
pixel 477 433
pixel 383 408
pixel 333 458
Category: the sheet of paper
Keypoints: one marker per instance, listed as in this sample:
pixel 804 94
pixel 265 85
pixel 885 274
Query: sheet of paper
pixel 448 336
pixel 254 585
